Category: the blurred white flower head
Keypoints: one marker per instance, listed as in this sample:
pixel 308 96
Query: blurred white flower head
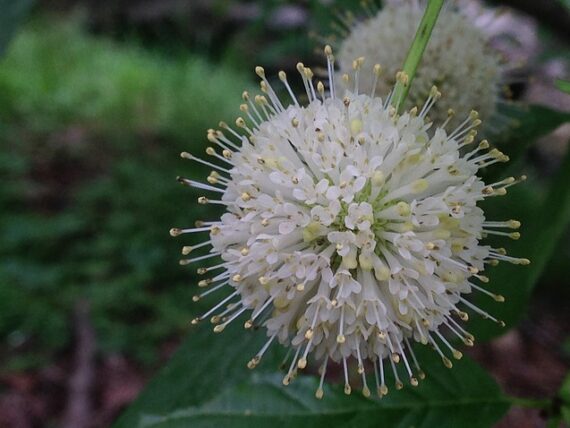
pixel 350 231
pixel 459 57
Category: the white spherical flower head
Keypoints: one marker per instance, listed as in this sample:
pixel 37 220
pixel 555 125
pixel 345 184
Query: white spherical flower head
pixel 458 58
pixel 351 231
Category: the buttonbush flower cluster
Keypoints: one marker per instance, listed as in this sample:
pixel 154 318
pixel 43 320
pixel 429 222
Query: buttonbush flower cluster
pixel 350 230
pixel 458 59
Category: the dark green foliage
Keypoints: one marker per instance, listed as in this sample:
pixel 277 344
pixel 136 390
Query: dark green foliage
pixel 206 384
pixel 565 398
pixel 529 122
pixel 90 135
pixel 545 215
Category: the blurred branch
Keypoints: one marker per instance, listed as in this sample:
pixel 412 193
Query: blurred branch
pixel 549 12
pixel 79 412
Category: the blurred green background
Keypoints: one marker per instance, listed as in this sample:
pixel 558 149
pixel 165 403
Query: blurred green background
pixel 97 99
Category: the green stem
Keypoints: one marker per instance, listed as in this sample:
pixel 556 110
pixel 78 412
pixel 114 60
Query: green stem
pixel 416 51
pixel 530 403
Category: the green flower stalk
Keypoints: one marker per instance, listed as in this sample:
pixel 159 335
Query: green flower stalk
pixel 416 52
pixel 455 55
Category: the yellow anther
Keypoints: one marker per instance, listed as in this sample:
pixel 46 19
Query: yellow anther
pixel 402 77
pixel 260 71
pixel 240 122
pixel 377 69
pixel 403 208
pixel 321 89
pixel 355 126
pixel 253 363
pixel 514 224
pixel 419 186
pixel 357 63
pixel 378 178
pixel 498 298
pixel 434 93
pixel 464 316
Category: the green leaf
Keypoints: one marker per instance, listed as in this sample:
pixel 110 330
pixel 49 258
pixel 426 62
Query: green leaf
pixel 11 15
pixel 206 384
pixel 565 3
pixel 563 85
pixel 565 397
pixel 530 123
pixel 543 222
